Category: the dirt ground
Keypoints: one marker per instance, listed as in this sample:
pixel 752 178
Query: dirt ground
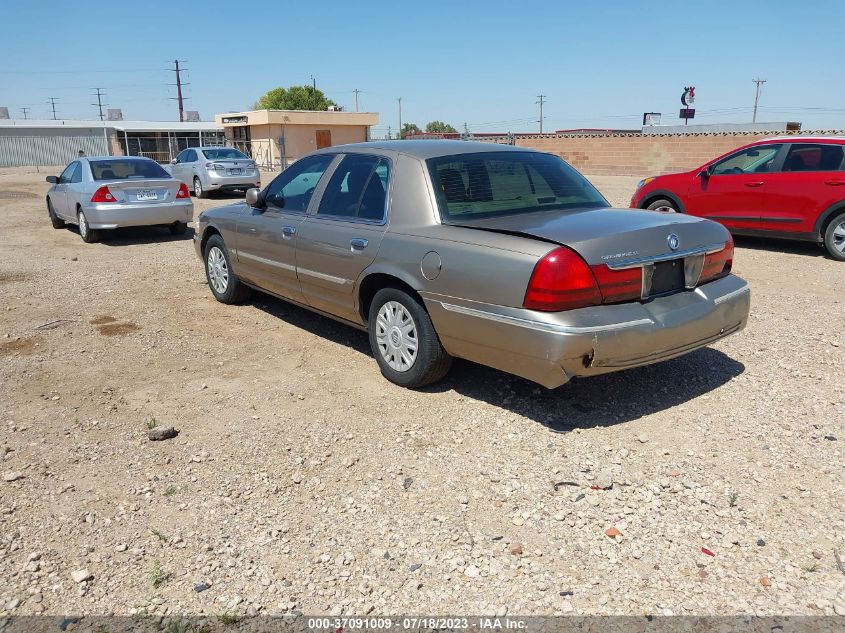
pixel 302 481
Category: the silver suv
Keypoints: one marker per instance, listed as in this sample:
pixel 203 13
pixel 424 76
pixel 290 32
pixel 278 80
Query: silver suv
pixel 206 169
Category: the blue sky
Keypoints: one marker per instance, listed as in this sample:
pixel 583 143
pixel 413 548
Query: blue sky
pixel 599 63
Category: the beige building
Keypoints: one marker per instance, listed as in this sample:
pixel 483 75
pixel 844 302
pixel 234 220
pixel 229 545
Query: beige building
pixel 275 138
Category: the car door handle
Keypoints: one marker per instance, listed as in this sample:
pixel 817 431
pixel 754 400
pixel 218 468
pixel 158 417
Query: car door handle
pixel 359 243
pixel 835 183
pixel 756 183
pixel 288 231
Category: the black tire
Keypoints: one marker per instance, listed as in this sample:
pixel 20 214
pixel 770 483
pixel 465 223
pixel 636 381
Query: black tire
pixel 178 228
pixel 233 291
pixel 431 362
pixel 663 205
pixel 834 238
pixel 199 192
pixel 88 235
pixel 54 219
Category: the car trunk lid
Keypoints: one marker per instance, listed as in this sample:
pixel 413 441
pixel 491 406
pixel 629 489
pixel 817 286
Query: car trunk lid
pixel 142 191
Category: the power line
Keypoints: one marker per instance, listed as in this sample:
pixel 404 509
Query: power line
pixel 52 102
pixel 99 94
pixel 179 85
pixel 542 100
pixel 758 83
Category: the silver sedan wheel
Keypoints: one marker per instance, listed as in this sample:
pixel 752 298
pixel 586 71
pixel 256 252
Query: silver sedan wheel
pixel 396 336
pixel 839 237
pixel 83 225
pixel 218 271
pixel 197 187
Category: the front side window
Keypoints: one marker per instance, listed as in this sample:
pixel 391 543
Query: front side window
pixel 67 174
pixel 357 189
pixel 293 188
pixel 224 153
pixel 126 169
pixel 813 157
pixel 752 160
pixel 491 184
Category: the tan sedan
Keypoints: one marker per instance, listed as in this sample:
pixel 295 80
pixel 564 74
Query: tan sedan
pixel 497 254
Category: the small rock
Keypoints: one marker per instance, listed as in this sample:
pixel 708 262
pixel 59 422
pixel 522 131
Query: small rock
pixel 604 480
pixel 760 542
pixel 765 582
pixel 407 483
pixel 81 575
pixel 518 521
pixel 14 603
pixel 839 605
pixel 297 478
pixel 12 476
pixel 830 438
pixel 35 556
pixel 162 433
pixel 612 532
pixel 516 549
pixel 472 571
pixel 642 438
pixel 121 548
pixel 702 573
pixel 817 555
pixel 74 259
pixel 415 566
pixel 201 586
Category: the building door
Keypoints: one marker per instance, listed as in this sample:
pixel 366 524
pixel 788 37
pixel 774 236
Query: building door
pixel 324 138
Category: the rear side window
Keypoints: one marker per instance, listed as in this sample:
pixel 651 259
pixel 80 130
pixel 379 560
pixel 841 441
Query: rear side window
pixel 752 160
pixel 490 184
pixel 813 157
pixel 357 189
pixel 122 169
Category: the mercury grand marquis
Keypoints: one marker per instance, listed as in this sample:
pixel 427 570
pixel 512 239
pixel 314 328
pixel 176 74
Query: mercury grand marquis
pixel 500 255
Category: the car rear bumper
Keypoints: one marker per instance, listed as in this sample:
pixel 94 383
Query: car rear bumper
pixel 243 181
pixel 112 216
pixel 551 348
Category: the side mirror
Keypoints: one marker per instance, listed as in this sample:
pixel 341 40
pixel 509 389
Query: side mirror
pixel 52 179
pixel 706 173
pixel 254 198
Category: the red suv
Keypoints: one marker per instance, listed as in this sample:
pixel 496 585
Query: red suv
pixel 790 187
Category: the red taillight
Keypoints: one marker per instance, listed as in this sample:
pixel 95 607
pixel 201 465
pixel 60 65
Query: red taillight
pixel 718 264
pixel 619 285
pixel 183 191
pixel 561 281
pixel 103 195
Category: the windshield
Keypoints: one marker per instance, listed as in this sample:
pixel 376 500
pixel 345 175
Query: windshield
pixel 219 153
pixel 491 184
pixel 122 169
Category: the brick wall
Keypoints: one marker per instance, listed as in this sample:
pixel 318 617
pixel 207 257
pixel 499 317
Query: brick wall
pixel 640 154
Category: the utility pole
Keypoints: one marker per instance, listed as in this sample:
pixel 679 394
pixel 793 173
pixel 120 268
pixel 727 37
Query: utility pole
pixel 356 91
pixel 758 82
pixel 542 100
pixel 24 110
pixel 99 94
pixel 313 93
pixel 52 102
pixel 389 133
pixel 399 99
pixel 179 85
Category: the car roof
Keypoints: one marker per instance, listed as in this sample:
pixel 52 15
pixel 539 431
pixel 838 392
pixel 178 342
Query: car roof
pixel 802 139
pixel 428 148
pixel 90 158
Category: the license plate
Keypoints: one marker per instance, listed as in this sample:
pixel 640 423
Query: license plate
pixel 146 194
pixel 236 172
pixel 668 277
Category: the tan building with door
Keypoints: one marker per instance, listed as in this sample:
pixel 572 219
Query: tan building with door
pixel 276 138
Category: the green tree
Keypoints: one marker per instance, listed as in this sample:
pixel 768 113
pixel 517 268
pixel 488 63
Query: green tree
pixel 294 98
pixel 439 126
pixel 409 128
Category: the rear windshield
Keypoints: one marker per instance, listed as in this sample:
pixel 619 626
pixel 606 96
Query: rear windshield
pixel 122 169
pixel 219 153
pixel 490 184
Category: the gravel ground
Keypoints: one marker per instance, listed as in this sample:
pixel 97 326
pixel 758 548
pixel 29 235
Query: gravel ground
pixel 301 480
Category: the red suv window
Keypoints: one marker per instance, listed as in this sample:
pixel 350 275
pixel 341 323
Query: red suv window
pixel 814 157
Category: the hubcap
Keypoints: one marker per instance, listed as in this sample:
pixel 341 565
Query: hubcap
pixel 396 336
pixel 839 237
pixel 83 225
pixel 218 272
pixel 197 186
pixel 665 209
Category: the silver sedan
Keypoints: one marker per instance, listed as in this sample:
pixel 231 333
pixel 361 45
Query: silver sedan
pixel 110 192
pixel 206 169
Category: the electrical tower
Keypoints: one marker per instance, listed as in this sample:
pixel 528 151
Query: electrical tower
pixel 542 100
pixel 399 99
pixel 100 94
pixel 25 111
pixel 759 83
pixel 179 85
pixel 356 91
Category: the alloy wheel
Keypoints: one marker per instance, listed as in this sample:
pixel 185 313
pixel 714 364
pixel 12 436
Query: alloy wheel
pixel 83 225
pixel 839 237
pixel 218 271
pixel 396 336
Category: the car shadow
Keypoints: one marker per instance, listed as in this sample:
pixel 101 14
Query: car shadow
pixel 134 235
pixel 582 403
pixel 792 247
